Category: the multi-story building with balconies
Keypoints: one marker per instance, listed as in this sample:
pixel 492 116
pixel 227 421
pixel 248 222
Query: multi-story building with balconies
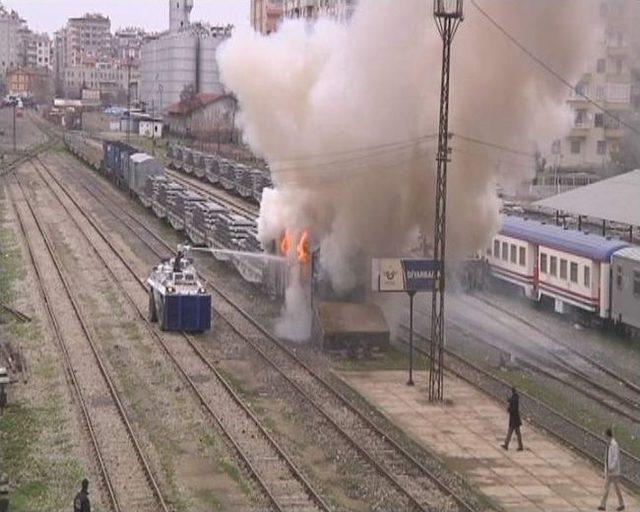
pixel 593 142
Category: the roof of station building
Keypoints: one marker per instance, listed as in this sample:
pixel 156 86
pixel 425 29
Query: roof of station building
pixel 616 199
pixel 587 245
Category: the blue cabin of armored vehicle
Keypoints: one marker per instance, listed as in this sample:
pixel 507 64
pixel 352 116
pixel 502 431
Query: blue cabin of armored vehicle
pixel 178 301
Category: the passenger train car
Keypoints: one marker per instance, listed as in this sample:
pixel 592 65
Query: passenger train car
pixel 590 272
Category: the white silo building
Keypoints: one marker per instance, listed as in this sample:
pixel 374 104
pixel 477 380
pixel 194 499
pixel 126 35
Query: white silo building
pixel 185 55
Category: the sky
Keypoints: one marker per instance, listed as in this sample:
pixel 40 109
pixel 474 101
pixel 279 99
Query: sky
pixel 153 15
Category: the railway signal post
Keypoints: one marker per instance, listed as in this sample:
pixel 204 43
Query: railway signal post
pixel 448 16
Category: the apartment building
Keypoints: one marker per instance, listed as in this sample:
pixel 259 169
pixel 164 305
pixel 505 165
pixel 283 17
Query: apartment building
pixel 593 142
pixel 88 36
pixel 10 42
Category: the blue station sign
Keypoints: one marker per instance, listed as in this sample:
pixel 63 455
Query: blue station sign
pixel 404 274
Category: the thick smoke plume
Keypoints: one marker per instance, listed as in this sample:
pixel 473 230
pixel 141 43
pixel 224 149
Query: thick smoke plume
pixel 343 115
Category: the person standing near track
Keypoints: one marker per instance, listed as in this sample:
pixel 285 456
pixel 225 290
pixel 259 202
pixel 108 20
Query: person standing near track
pixel 514 420
pixel 81 502
pixel 611 471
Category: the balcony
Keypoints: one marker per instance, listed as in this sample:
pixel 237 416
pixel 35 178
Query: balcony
pixel 613 132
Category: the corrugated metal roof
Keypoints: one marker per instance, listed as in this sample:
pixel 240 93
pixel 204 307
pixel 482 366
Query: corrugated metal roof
pixel 615 199
pixel 590 246
pixel 631 253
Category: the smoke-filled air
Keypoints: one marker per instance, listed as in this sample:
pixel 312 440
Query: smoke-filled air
pixel 346 117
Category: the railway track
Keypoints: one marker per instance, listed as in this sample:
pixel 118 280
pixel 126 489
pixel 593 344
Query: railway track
pixel 118 451
pixel 282 482
pixel 418 484
pixel 589 444
pixel 18 315
pixel 546 363
pixel 235 204
pixel 566 354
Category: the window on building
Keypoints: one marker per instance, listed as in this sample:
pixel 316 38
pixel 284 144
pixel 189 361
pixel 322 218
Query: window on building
pixel 601 147
pixel 575 147
pixel 573 272
pixel 505 251
pixel 619 277
pixel 553 266
pixel 636 283
pixel 618 66
pixel 543 263
pixel 514 254
pixel 522 257
pixel 598 120
pixel 581 117
pixel 587 277
pixel 496 249
pixel 563 269
pixel 601 66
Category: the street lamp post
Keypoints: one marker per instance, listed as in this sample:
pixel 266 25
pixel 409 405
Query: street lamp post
pixel 448 16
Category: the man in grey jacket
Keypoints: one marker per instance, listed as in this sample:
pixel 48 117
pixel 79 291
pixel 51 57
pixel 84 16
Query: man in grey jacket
pixel 611 471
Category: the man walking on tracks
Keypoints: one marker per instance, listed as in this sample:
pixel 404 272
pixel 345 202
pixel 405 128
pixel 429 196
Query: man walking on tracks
pixel 81 502
pixel 514 420
pixel 611 471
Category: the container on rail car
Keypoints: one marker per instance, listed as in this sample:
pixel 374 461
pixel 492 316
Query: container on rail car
pixel 178 300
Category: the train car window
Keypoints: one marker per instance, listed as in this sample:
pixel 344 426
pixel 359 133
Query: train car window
pixel 563 269
pixel 619 277
pixel 505 251
pixel 514 253
pixel 496 249
pixel 553 266
pixel 573 272
pixel 543 263
pixel 636 283
pixel 587 277
pixel 522 256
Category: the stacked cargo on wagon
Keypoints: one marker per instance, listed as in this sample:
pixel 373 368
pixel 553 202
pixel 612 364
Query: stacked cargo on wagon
pixel 187 160
pixel 184 202
pixel 261 180
pixel 177 158
pixel 251 268
pixel 200 222
pixel 244 181
pixel 212 168
pixel 198 164
pixel 151 190
pixel 227 174
pixel 229 230
pixel 166 193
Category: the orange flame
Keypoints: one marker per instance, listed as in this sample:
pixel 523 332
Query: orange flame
pixel 285 243
pixel 304 254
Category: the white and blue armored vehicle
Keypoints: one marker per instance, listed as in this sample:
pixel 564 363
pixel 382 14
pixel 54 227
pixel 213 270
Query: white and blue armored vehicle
pixel 178 300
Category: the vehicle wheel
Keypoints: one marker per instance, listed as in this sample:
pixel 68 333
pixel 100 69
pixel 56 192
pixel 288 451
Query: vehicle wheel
pixel 153 315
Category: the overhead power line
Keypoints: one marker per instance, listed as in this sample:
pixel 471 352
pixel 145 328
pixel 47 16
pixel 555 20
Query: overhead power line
pixel 548 68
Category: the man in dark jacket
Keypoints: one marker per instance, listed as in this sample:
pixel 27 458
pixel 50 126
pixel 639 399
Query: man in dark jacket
pixel 514 419
pixel 81 502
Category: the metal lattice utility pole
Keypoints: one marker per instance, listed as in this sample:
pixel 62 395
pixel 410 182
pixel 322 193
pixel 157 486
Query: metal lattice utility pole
pixel 448 16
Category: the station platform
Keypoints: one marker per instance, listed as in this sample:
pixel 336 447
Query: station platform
pixel 467 435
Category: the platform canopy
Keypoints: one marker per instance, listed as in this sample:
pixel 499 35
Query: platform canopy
pixel 616 199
